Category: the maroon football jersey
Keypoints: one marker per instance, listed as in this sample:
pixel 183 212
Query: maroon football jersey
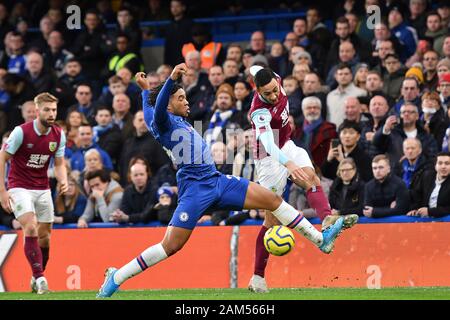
pixel 30 162
pixel 279 123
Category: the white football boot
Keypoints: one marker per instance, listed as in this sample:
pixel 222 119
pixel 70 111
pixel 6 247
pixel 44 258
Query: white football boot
pixel 258 284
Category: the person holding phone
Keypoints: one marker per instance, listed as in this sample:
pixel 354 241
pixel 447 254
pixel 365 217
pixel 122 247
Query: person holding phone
pixel 344 147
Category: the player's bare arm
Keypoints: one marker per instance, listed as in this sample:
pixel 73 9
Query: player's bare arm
pixel 5 198
pixel 61 175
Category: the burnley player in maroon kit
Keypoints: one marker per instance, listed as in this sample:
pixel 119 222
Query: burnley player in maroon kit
pixel 30 148
pixel 277 158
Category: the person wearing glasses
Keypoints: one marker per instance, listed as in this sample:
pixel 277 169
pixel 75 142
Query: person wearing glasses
pixel 347 191
pixel 389 138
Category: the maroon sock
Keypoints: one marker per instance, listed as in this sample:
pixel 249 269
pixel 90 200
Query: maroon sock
pixel 45 254
pixel 34 256
pixel 318 201
pixel 261 254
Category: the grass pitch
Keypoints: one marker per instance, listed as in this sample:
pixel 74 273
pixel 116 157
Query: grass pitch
pixel 424 293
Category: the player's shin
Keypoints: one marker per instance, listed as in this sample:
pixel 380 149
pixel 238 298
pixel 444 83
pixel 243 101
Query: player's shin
pixel 34 256
pixel 261 254
pixel 291 218
pixel 147 258
pixel 318 201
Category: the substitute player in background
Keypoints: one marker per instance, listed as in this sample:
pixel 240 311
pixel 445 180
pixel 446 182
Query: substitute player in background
pixel 276 158
pixel 30 148
pixel 201 187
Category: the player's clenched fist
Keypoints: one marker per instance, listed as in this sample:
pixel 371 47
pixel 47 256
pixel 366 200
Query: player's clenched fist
pixel 178 71
pixel 141 80
pixel 6 201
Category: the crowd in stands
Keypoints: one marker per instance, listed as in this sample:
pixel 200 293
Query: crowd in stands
pixel 369 104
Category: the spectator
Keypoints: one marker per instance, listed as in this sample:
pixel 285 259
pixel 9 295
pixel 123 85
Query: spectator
pixel 154 12
pixel 234 52
pixel 90 48
pixel 347 55
pixel 435 30
pixel 211 52
pixel 444 90
pixel 258 43
pixel 40 78
pixel 122 116
pixel 423 46
pixel 353 112
pixel 85 135
pixel 70 80
pixel 5 26
pixel 374 84
pixel 163 72
pixel 389 138
pixel 104 199
pixel 73 121
pixel 361 71
pixel 413 164
pixel 177 33
pixel 418 18
pixel 230 72
pixel 345 89
pixel 123 56
pixel 405 34
pixel 139 197
pixel 128 27
pixel 19 91
pixel 349 135
pixel 290 40
pixel 430 62
pixel 410 92
pixel 443 8
pixel 244 95
pixel 107 134
pixel 347 191
pixel 56 57
pixel 384 48
pixel 315 133
pixel 225 113
pixel 317 30
pixel 14 59
pixel 197 95
pixel 299 71
pixel 312 86
pixel 193 61
pixel 116 86
pixel 386 194
pixel 85 103
pixel 219 154
pixel 433 117
pixel 144 144
pixel 70 207
pixel 378 108
pixel 29 111
pixel 383 43
pixel 39 43
pixel 278 59
pixel 294 93
pixel 394 77
pixel 431 196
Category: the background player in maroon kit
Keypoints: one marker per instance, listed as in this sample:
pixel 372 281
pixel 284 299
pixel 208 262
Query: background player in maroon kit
pixel 30 148
pixel 277 158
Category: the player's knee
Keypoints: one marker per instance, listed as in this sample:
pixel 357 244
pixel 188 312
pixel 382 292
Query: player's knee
pixel 30 229
pixel 44 240
pixel 172 247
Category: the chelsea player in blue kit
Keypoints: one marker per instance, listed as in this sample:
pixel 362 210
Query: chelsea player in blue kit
pixel 201 187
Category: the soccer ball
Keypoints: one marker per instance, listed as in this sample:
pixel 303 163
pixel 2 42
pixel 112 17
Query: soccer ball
pixel 279 240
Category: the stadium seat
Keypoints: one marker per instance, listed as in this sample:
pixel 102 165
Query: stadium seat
pixel 248 26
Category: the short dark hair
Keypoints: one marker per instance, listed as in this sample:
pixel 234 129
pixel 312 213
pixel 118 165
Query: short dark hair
pixel 103 174
pixel 263 77
pixel 103 107
pixel 343 65
pixel 347 124
pixel 443 154
pixel 433 13
pixel 342 20
pixel 155 92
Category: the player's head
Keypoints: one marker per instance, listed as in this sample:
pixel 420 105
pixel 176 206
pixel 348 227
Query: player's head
pixel 267 85
pixel 47 105
pixel 178 104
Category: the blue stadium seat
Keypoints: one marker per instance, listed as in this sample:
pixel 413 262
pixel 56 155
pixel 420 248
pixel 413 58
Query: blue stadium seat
pixel 248 26
pixel 224 28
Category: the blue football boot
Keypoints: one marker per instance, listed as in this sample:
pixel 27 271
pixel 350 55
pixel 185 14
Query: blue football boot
pixel 330 235
pixel 108 287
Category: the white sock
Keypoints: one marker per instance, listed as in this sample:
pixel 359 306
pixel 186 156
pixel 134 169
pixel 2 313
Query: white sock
pixel 148 258
pixel 291 218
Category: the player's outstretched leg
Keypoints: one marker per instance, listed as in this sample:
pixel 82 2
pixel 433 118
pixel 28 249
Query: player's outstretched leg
pixel 173 241
pixel 260 197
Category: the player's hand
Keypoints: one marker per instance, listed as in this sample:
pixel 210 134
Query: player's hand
pixel 141 80
pixel 6 201
pixel 63 188
pixel 178 71
pixel 296 173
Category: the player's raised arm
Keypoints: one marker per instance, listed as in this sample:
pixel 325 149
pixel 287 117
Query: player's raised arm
pixel 261 118
pixel 162 101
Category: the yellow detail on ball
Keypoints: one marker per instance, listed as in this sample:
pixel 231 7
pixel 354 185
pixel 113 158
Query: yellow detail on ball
pixel 279 240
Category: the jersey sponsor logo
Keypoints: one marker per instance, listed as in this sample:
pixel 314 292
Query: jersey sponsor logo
pixel 52 146
pixel 284 117
pixel 184 217
pixel 37 161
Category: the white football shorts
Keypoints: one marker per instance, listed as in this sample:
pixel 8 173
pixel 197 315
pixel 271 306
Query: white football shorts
pixel 273 175
pixel 38 201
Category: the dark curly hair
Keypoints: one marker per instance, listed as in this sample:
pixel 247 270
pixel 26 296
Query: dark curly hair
pixel 155 92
